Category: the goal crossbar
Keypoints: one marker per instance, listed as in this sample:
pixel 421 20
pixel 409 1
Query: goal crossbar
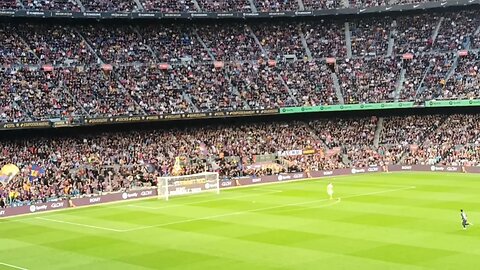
pixel 188 184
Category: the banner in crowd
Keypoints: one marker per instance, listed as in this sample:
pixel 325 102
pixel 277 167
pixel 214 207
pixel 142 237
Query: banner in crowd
pixel 61 204
pixel 179 116
pixel 453 103
pixel 228 114
pixel 239 15
pixel 8 172
pixel 135 119
pixel 426 168
pixel 25 125
pixel 347 107
pixel 35 172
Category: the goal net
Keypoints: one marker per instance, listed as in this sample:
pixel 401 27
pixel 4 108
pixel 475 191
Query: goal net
pixel 188 184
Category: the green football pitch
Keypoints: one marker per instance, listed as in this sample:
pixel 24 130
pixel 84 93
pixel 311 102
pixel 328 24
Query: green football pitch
pixel 377 221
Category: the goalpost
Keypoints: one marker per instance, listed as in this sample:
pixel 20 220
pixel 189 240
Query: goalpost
pixel 188 184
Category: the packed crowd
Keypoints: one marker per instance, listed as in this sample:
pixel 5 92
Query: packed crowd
pixel 9 4
pixel 465 81
pixel 155 91
pixel 169 5
pixel 173 42
pixel 261 86
pixel 102 162
pixel 56 45
pixel 63 5
pixel 13 51
pixel 169 68
pixel 370 36
pixel 325 39
pixel 195 6
pixel 280 40
pixel 435 77
pixel 230 43
pixel 442 144
pixel 224 5
pixel 409 130
pixel 322 4
pixel 346 132
pixel 109 5
pixel 414 34
pixel 456 30
pixel 414 73
pixel 368 80
pixel 311 83
pixel 117 45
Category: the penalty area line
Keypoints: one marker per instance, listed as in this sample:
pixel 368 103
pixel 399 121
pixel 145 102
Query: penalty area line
pixel 267 192
pixel 12 266
pixel 265 208
pixel 79 224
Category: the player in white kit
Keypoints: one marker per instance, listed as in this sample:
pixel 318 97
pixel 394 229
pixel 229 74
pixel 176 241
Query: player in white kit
pixel 330 190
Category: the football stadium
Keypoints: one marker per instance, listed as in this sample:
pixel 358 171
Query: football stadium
pixel 239 134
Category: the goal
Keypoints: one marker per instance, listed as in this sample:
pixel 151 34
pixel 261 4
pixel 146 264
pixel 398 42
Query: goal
pixel 188 184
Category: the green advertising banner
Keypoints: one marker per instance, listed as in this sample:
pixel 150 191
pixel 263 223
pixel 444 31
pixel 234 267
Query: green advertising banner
pixel 453 103
pixel 347 107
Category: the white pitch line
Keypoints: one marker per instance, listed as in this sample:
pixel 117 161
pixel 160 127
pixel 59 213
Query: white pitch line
pixel 13 266
pixel 269 191
pixel 312 207
pixel 79 224
pixel 261 209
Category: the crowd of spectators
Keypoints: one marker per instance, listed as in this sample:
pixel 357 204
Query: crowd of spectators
pixel 465 82
pixel 155 91
pixel 466 155
pixel 370 36
pixel 325 38
pixel 13 51
pixel 368 80
pixel 209 88
pixel 436 75
pixel 10 101
pixel 414 72
pixel 56 45
pixel 276 5
pixel 414 34
pixel 102 162
pixel 440 146
pixel 280 40
pixel 456 30
pixel 168 68
pixel 408 130
pixel 61 5
pixel 173 42
pixel 169 6
pixel 310 82
pixel 117 44
pixel 9 4
pixel 230 42
pixel 225 5
pixel 260 85
pixel 99 92
pixel 110 5
pixel 322 4
pixel 314 162
pixel 346 132
pixel 39 94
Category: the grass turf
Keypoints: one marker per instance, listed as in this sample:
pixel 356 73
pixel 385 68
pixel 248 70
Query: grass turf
pixel 383 221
